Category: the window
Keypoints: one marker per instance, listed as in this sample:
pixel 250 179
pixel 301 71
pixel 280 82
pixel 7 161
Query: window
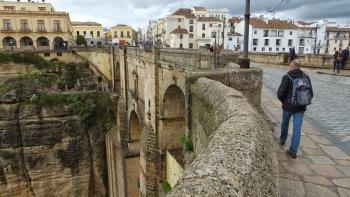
pixel 181 46
pixel 42 8
pixel 84 32
pixel 59 54
pixel 283 49
pixel 219 25
pixel 191 22
pixel 270 49
pixel 57 25
pixel 46 54
pixel 92 33
pixel 191 35
pixel 290 33
pixel 179 20
pixel 191 45
pixel 335 41
pixel 254 49
pixel 115 34
pixel 328 35
pixel 122 34
pixel 203 35
pixel 290 42
pixel 255 32
pixel 203 26
pixel 255 42
pixel 210 25
pixel 7 24
pixel 267 42
pixel 24 25
pixel 98 34
pixel 181 36
pixel 9 8
pixel 273 33
pixel 263 49
pixel 302 42
pixel 191 28
pixel 230 38
pixel 41 26
pixel 266 33
pixel 277 49
pixel 278 42
pixel 281 33
pixel 128 34
pixel 77 32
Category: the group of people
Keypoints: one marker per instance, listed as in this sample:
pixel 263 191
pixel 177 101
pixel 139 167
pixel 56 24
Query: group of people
pixel 340 58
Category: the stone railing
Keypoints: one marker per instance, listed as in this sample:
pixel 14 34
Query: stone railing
pixel 233 144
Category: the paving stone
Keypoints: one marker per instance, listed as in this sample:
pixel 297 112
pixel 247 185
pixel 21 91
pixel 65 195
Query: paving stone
pixel 297 168
pixel 281 156
pixel 290 188
pixel 345 170
pixel 335 152
pixel 343 162
pixel 313 151
pixel 326 170
pixel 321 160
pixel 344 182
pixel 320 180
pixel 320 139
pixel 318 191
pixel 343 192
pixel 290 176
pixel 307 142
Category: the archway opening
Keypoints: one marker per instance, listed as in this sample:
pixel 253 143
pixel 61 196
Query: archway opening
pixel 43 42
pixel 133 156
pixel 59 44
pixel 173 129
pixel 26 42
pixel 9 42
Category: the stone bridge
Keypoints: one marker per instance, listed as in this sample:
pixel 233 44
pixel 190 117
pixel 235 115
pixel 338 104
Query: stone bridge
pixel 181 123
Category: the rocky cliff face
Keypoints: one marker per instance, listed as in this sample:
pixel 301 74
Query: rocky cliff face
pixel 52 144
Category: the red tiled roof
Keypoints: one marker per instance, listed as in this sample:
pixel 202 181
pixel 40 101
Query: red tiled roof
pixel 208 19
pixel 200 8
pixel 235 19
pixel 179 31
pixel 273 24
pixel 184 12
pixel 337 29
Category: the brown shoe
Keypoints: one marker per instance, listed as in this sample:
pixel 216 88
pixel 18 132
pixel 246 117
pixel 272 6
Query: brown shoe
pixel 292 155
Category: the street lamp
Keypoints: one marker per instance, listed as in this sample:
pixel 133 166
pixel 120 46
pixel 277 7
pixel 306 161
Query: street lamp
pixel 245 62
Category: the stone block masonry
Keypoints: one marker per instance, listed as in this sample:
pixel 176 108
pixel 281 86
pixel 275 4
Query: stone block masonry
pixel 239 158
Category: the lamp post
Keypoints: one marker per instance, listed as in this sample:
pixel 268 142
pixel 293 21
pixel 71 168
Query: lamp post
pixel 245 62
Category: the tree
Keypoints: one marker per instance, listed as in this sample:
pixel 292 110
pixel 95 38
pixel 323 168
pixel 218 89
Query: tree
pixel 81 40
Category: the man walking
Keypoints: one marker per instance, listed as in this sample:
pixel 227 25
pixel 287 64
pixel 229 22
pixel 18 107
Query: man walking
pixel 295 93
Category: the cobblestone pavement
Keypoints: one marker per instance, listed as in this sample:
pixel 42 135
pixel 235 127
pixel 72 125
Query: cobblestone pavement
pixel 330 111
pixel 321 168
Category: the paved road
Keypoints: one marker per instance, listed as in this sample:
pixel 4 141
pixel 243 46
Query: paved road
pixel 330 111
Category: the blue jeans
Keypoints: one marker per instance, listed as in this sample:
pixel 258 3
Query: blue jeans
pixel 297 123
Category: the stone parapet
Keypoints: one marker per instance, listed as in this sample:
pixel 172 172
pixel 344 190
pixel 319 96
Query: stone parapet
pixel 233 144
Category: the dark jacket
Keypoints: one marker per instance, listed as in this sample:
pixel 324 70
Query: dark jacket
pixel 285 91
pixel 345 53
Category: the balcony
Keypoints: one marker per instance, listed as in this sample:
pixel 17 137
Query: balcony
pixel 7 29
pixel 57 30
pixel 41 30
pixel 25 30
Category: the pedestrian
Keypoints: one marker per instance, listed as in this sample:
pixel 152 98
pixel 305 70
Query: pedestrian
pixel 339 62
pixel 335 61
pixel 295 93
pixel 345 56
pixel 292 54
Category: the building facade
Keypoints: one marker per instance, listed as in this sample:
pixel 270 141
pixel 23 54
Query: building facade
pixel 121 34
pixel 267 35
pixel 33 26
pixel 91 31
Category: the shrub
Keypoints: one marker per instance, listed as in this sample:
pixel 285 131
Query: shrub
pixel 166 186
pixel 187 143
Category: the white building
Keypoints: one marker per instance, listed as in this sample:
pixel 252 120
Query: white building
pixel 307 37
pixel 200 23
pixel 267 35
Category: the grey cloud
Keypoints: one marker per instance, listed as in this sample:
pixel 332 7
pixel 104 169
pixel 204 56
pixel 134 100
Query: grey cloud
pixel 138 12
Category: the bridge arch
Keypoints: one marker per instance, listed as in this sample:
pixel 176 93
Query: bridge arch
pixel 173 117
pixel 133 155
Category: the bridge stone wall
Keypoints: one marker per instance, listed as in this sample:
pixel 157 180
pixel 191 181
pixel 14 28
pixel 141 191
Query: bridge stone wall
pixel 233 144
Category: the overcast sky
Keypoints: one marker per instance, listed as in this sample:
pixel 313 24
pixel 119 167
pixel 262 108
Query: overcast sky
pixel 137 13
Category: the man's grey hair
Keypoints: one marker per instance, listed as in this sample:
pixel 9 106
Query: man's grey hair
pixel 295 64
